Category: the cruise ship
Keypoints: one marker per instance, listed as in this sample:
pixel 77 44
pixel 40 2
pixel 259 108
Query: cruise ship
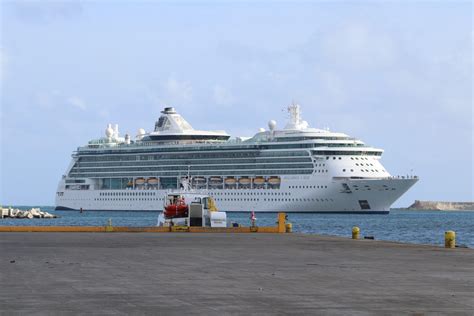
pixel 292 169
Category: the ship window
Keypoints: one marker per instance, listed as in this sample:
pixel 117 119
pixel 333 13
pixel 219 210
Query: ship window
pixel 344 170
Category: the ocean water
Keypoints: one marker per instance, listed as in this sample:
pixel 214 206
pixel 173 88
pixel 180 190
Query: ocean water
pixel 419 227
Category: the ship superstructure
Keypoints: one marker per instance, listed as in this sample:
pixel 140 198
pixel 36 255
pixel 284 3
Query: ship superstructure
pixel 294 169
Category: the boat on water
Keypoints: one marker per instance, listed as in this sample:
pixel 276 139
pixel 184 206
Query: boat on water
pixel 296 168
pixel 190 208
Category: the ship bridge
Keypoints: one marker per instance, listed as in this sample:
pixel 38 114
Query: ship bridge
pixel 171 126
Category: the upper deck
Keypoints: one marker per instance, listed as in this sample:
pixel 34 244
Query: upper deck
pixel 174 134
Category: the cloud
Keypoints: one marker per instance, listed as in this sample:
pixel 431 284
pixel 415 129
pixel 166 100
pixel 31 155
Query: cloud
pixel 55 99
pixel 222 96
pixel 170 92
pixel 357 45
pixel 178 91
pixel 76 102
pixel 3 64
pixel 48 100
pixel 46 11
pixel 104 113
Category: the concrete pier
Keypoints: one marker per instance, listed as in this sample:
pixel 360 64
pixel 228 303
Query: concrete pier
pixel 218 274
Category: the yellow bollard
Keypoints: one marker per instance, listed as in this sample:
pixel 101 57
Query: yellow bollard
pixel 355 232
pixel 289 227
pixel 449 239
pixel 281 222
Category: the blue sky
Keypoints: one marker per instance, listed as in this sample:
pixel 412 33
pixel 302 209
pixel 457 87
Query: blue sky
pixel 396 74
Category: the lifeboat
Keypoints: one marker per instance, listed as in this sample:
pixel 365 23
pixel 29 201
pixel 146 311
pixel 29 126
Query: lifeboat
pixel 217 180
pixel 139 181
pixel 230 180
pixel 259 180
pixel 152 181
pixel 176 209
pixel 199 179
pixel 244 181
pixel 203 212
pixel 274 180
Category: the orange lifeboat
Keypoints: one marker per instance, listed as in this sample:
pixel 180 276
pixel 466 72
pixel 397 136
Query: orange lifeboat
pixel 274 180
pixel 176 209
pixel 139 181
pixel 152 181
pixel 244 181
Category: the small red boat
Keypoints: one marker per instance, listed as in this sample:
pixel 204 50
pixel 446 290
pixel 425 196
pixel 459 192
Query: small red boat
pixel 177 208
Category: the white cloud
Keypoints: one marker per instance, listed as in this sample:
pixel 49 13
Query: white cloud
pixel 76 102
pixel 48 100
pixel 55 99
pixel 222 96
pixel 104 113
pixel 178 91
pixel 3 64
pixel 36 11
pixel 358 46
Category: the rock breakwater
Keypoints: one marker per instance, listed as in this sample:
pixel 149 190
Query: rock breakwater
pixel 31 213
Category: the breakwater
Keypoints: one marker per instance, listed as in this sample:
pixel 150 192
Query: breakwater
pixel 24 214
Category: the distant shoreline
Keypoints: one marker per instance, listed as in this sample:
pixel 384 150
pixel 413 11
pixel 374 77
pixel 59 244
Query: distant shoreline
pixel 421 210
pixel 439 206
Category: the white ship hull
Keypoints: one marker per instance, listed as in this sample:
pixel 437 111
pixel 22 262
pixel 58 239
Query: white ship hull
pixel 296 194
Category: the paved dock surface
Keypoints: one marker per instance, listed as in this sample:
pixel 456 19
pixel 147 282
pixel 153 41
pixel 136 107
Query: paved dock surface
pixel 221 274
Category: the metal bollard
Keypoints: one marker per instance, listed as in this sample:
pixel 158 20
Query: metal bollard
pixel 450 239
pixel 355 232
pixel 289 227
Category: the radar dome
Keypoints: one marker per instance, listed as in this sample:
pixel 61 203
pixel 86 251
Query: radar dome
pixel 141 133
pixel 272 124
pixel 261 130
pixel 109 131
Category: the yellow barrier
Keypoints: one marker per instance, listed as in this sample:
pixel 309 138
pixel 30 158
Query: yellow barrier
pixel 58 229
pixel 281 222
